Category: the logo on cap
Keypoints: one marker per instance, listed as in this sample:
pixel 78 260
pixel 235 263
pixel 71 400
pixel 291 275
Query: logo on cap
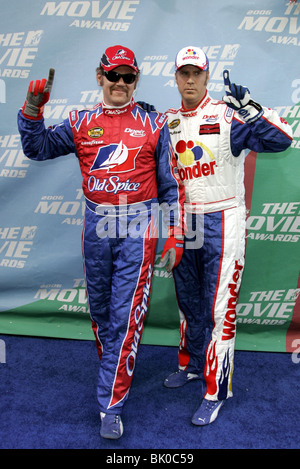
pixel 191 52
pixel 121 55
pixel 116 56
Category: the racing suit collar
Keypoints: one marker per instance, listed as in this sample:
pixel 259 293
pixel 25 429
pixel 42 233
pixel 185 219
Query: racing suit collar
pixel 117 111
pixel 192 112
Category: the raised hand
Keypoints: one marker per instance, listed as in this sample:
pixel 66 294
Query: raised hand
pixel 238 98
pixel 38 95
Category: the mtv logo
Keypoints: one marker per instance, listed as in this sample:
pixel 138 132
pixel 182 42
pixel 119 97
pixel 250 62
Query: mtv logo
pixel 28 232
pixel 230 51
pixel 33 38
pixel 296 294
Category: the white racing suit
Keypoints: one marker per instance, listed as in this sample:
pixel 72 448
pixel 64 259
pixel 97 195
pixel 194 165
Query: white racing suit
pixel 209 143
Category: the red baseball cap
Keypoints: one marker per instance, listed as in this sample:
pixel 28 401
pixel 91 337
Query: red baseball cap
pixel 116 56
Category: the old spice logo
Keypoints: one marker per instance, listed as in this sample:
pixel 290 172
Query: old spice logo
pixel 121 54
pixel 230 317
pixel 127 358
pixel 115 112
pixel 115 158
pixel 139 318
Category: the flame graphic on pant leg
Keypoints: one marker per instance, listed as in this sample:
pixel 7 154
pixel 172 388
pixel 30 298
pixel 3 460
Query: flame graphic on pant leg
pixel 225 374
pixel 183 354
pixel 211 367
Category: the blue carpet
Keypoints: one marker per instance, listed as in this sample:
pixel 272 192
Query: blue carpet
pixel 48 401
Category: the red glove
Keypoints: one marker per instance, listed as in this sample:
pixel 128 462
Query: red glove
pixel 173 249
pixel 38 94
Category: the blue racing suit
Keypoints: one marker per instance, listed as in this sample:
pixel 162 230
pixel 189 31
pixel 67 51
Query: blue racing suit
pixel 127 164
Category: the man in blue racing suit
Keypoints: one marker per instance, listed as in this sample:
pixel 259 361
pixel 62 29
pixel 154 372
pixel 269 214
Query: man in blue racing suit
pixel 127 164
pixel 209 137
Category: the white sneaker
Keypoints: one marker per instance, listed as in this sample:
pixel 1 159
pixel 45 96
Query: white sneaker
pixel 207 412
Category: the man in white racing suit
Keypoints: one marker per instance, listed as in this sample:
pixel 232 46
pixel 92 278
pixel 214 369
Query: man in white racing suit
pixel 209 137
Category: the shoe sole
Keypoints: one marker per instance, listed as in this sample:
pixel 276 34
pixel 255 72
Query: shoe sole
pixel 111 437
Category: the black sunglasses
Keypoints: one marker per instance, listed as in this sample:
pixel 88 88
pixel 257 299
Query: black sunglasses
pixel 128 78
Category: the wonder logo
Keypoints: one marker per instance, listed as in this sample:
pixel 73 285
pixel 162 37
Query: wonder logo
pixel 116 158
pixel 190 154
pixel 230 316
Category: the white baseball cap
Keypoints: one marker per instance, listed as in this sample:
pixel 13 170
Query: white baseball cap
pixel 191 55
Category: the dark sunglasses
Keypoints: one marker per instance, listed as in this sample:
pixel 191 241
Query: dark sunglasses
pixel 128 78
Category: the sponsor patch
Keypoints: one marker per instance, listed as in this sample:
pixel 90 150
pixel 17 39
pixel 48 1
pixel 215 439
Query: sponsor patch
pixel 174 124
pixel 207 129
pixel 95 132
